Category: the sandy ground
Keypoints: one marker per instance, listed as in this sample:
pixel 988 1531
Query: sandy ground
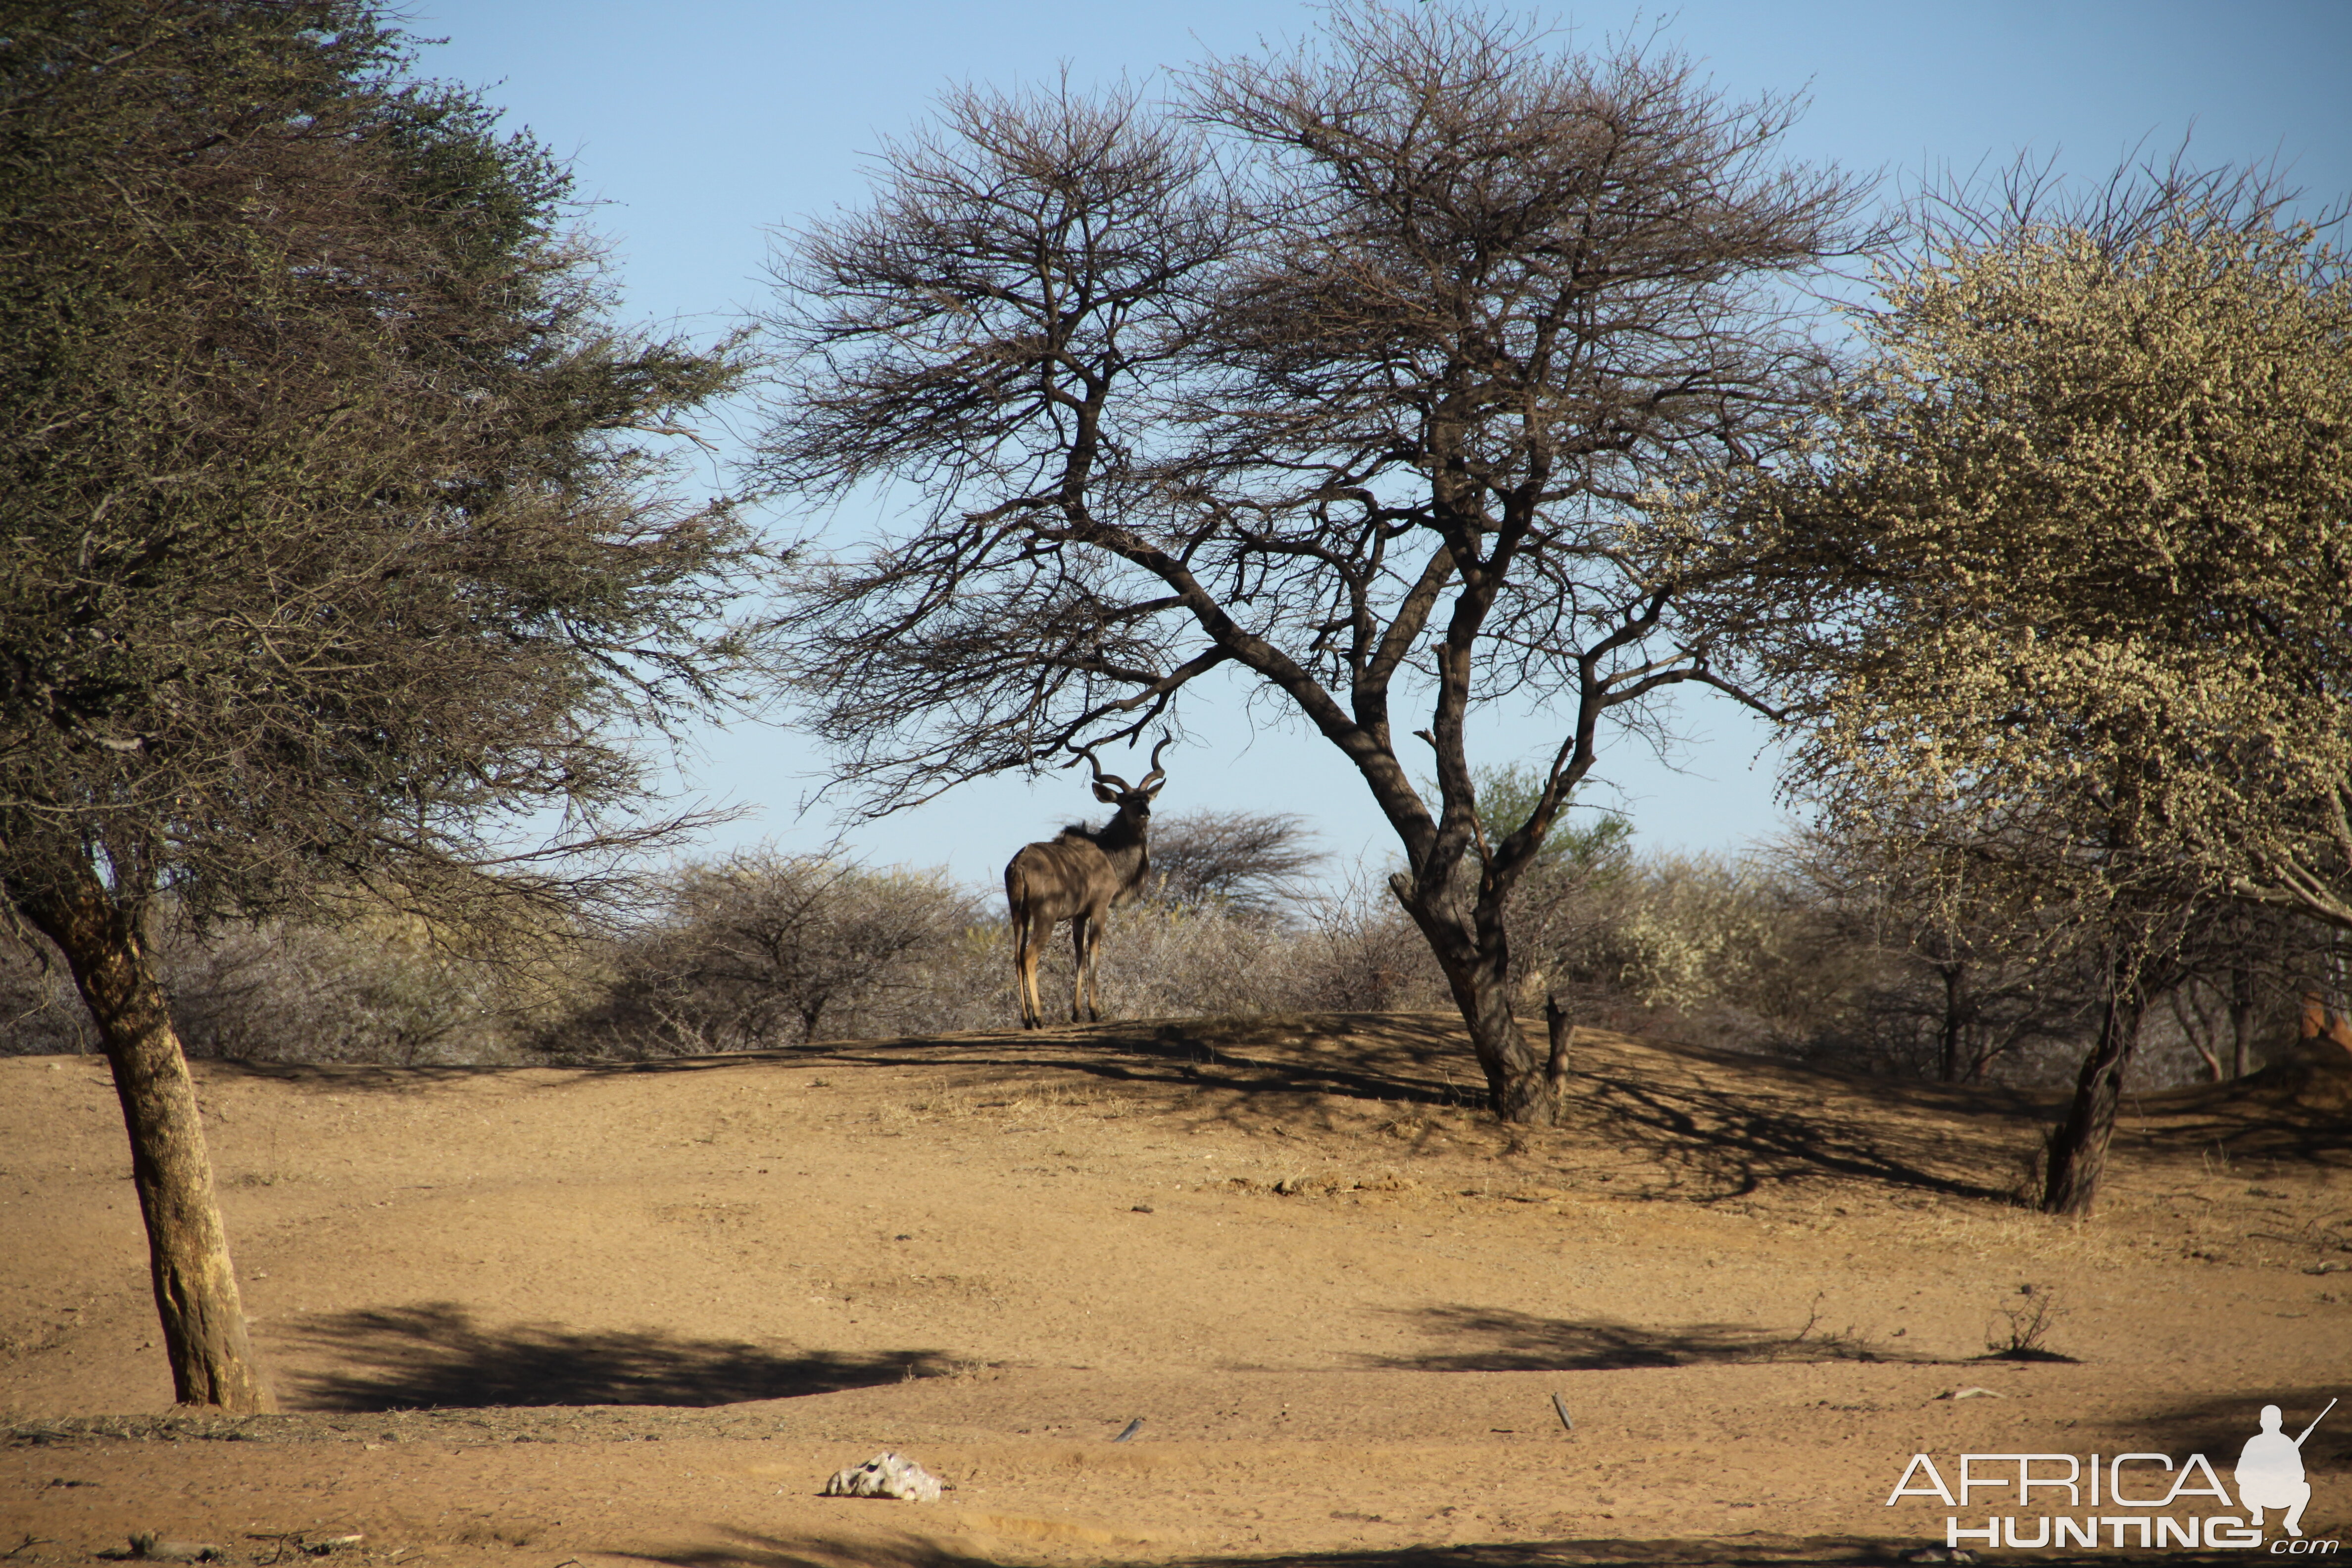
pixel 637 1315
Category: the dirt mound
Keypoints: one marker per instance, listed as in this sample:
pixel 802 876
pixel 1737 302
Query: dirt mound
pixel 2314 1077
pixel 2295 1110
pixel 640 1313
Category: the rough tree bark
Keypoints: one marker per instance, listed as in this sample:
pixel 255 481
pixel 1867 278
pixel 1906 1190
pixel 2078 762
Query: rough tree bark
pixel 187 1249
pixel 1562 1029
pixel 1960 1008
pixel 1475 956
pixel 2078 1145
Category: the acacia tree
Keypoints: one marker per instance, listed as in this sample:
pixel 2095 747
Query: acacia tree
pixel 331 562
pixel 2246 967
pixel 763 946
pixel 1247 862
pixel 2088 509
pixel 1351 373
pixel 1977 963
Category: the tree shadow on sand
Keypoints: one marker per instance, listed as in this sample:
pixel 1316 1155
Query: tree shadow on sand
pixel 1388 1057
pixel 1491 1340
pixel 2293 1110
pixel 747 1549
pixel 435 1355
pixel 1714 1124
pixel 1767 1125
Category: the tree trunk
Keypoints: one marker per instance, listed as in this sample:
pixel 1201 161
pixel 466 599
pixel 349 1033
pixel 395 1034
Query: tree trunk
pixel 1475 955
pixel 2078 1146
pixel 1562 1031
pixel 1956 1022
pixel 1518 1090
pixel 2241 1021
pixel 195 1287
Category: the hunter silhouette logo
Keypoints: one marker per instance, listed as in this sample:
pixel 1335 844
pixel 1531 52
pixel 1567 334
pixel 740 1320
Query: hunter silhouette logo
pixel 2151 1497
pixel 2269 1471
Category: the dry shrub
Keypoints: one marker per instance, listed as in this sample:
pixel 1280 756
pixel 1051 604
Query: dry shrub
pixel 1756 952
pixel 375 988
pixel 1705 948
pixel 1164 960
pixel 1254 862
pixel 1359 952
pixel 1749 954
pixel 40 1012
pixel 757 950
pixel 765 947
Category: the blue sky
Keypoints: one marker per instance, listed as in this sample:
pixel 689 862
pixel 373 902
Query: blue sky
pixel 701 127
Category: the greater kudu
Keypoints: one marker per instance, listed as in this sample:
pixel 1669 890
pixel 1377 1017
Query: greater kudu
pixel 1078 877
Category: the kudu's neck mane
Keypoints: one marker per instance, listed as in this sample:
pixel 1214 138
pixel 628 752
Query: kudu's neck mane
pixel 1121 832
pixel 1121 841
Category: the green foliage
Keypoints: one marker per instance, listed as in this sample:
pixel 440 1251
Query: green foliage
pixel 1506 798
pixel 335 555
pixel 490 196
pixel 2081 565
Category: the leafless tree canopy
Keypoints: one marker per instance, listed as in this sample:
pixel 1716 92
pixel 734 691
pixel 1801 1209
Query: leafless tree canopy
pixel 1355 368
pixel 1249 862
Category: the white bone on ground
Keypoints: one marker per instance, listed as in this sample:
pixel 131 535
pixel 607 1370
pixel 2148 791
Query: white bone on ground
pixel 886 1475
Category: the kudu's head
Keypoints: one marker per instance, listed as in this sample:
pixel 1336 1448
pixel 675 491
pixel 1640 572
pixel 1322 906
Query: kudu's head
pixel 1134 801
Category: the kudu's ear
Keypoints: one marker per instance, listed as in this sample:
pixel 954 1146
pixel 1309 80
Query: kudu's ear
pixel 1105 792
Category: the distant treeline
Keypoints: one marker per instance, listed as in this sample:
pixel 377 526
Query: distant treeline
pixel 1787 952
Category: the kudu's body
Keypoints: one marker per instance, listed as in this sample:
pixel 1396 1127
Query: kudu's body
pixel 1078 877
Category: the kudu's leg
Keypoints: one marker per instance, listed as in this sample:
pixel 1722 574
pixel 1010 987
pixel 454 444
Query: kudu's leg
pixel 1082 954
pixel 1093 970
pixel 1025 968
pixel 1041 931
